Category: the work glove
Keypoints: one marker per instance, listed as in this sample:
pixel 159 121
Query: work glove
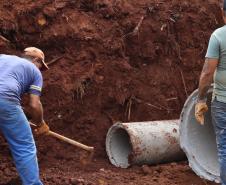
pixel 42 129
pixel 200 109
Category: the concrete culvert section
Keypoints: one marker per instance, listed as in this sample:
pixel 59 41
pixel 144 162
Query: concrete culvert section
pixel 143 143
pixel 198 142
pixel 119 146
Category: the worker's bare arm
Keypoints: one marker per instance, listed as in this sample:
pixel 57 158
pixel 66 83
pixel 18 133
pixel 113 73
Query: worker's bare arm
pixel 206 77
pixel 36 109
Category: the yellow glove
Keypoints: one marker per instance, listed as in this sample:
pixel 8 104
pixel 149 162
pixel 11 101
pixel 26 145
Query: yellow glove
pixel 200 109
pixel 42 129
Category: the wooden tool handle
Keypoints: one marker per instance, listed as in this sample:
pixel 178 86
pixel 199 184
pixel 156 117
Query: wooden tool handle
pixel 70 141
pixel 67 140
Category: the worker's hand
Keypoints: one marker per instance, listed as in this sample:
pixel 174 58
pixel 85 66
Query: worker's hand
pixel 42 129
pixel 200 109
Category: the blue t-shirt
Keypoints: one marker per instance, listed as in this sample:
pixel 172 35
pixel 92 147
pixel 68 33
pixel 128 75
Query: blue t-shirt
pixel 18 76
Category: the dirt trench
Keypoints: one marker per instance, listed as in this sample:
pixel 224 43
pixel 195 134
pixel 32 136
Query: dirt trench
pixel 120 61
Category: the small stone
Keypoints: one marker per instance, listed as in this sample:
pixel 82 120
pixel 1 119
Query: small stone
pixel 102 170
pixel 79 181
pixel 145 169
pixel 7 171
pixel 50 11
pixel 173 164
pixel 74 181
pixel 155 179
pixel 156 173
pixel 101 78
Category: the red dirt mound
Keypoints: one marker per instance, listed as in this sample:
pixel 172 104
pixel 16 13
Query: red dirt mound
pixel 121 61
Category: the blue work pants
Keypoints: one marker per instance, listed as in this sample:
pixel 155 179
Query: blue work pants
pixel 16 130
pixel 218 111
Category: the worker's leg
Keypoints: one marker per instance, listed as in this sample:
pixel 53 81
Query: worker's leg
pixel 219 120
pixel 17 132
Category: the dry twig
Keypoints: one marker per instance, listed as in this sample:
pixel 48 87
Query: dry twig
pixel 171 99
pixel 136 29
pixel 4 39
pixel 149 104
pixel 80 91
pixel 158 107
pixel 128 108
pixel 54 60
pixel 185 88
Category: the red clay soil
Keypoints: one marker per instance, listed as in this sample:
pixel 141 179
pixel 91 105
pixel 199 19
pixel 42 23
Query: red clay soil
pixel 121 60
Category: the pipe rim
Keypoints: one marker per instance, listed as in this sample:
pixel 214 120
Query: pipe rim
pixel 193 163
pixel 113 128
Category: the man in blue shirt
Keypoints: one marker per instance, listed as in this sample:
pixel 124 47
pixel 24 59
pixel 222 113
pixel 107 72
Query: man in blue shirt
pixel 215 69
pixel 17 77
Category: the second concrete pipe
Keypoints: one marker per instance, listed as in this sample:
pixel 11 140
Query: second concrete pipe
pixel 143 143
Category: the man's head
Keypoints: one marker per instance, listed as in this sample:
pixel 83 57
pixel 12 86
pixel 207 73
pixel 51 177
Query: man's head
pixel 36 56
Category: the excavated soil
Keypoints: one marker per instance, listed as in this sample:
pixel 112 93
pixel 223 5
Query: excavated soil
pixel 118 60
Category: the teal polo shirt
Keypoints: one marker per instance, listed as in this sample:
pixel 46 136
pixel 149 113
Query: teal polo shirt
pixel 217 50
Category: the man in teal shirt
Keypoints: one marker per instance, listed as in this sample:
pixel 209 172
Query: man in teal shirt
pixel 215 69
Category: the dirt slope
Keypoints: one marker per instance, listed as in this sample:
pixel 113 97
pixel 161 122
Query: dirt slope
pixel 121 61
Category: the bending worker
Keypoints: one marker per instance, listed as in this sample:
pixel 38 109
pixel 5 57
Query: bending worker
pixel 19 76
pixel 215 69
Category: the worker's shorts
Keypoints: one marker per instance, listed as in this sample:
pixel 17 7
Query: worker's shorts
pixel 218 111
pixel 16 130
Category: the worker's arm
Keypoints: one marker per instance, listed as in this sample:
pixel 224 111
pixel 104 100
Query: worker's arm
pixel 36 109
pixel 206 78
pixel 36 105
pixel 37 114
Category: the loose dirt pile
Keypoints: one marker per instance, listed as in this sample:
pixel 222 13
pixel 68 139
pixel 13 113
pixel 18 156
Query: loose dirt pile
pixel 121 61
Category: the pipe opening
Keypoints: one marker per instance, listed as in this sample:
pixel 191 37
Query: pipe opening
pixel 199 142
pixel 119 147
pixel 202 142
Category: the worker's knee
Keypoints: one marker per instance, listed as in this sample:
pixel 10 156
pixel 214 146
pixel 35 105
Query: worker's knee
pixel 25 158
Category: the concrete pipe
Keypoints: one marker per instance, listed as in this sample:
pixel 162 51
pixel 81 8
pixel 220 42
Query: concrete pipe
pixel 198 142
pixel 143 143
